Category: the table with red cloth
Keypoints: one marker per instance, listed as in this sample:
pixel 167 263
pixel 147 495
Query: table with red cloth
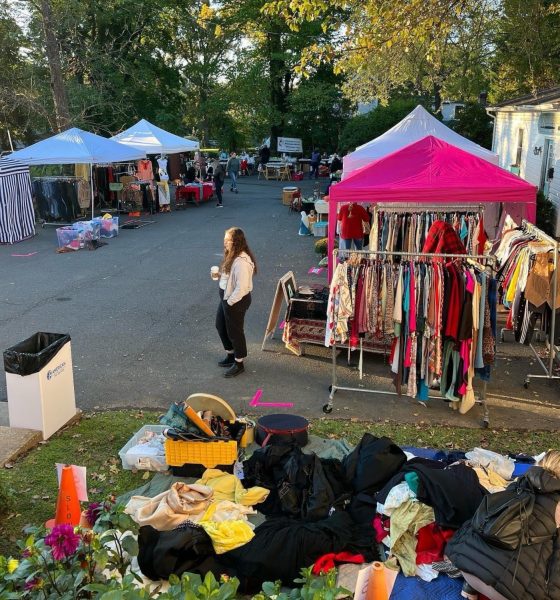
pixel 193 193
pixel 312 331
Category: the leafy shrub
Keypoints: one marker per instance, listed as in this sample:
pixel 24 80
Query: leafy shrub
pixel 546 214
pixel 474 123
pixel 322 246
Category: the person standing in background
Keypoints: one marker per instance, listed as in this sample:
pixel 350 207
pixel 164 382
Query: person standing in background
pixel 232 169
pixel 264 155
pixel 336 164
pixel 314 164
pixel 218 176
pixel 235 285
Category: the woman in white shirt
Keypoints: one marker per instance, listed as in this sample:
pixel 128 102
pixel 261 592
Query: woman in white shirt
pixel 235 285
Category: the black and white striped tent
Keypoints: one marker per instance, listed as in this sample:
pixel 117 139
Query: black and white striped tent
pixel 17 218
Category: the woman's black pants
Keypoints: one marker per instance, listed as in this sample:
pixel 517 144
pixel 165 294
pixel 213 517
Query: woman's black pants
pixel 230 321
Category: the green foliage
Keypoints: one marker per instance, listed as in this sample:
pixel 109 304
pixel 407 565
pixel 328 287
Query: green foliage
pixel 474 123
pixel 322 587
pixel 94 442
pixel 70 564
pixel 96 564
pixel 318 111
pixel 363 128
pixel 527 48
pixel 322 246
pixel 6 500
pixel 546 214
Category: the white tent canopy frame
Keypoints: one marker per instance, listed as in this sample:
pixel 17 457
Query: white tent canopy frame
pixel 416 125
pixel 75 146
pixel 153 140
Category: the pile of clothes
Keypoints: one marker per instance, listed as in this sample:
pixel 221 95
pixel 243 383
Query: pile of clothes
pixel 375 503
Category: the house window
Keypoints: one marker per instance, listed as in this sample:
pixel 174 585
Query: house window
pixel 519 152
pixel 546 123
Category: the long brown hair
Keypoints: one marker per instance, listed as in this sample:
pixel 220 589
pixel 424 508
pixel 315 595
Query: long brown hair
pixel 238 246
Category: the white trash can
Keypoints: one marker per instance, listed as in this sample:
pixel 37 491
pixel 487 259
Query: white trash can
pixel 40 383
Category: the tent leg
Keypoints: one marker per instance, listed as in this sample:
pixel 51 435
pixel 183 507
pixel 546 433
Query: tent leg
pixel 91 184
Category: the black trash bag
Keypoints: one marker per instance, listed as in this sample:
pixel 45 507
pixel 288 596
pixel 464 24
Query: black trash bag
pixel 34 353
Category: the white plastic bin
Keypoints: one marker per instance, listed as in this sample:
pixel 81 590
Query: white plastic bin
pixel 140 461
pixel 43 400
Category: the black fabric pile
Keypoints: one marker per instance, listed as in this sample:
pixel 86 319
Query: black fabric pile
pixel 301 485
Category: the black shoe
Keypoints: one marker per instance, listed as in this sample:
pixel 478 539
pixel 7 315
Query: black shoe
pixel 227 362
pixel 220 205
pixel 235 369
pixel 236 192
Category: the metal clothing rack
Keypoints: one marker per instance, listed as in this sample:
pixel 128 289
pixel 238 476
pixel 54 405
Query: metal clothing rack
pixel 548 371
pixel 334 387
pixel 67 178
pixel 412 208
pixel 442 208
pixel 59 178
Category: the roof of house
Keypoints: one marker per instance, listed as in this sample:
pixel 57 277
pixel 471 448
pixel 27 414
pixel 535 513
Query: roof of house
pixel 541 97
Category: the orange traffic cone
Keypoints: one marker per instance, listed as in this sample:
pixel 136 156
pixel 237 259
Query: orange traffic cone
pixel 67 505
pixel 377 588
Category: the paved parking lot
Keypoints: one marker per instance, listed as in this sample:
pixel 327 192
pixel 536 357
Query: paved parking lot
pixel 141 315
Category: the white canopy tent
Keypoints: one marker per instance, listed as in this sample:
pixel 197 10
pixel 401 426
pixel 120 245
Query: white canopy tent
pixel 152 140
pixel 415 126
pixel 76 146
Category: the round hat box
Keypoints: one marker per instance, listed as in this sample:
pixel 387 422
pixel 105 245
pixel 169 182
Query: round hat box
pixel 280 429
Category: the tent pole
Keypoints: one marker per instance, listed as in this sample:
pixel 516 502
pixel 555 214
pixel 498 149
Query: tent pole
pixel 91 184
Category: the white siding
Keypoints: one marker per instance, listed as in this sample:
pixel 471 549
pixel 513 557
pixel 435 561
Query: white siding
pixel 507 125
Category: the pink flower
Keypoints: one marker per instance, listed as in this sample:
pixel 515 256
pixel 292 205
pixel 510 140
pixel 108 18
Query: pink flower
pixel 63 541
pixel 93 512
pixel 32 584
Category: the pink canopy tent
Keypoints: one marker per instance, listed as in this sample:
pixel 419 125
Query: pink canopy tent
pixel 431 171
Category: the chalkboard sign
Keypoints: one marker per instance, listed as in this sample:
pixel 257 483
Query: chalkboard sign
pixel 288 284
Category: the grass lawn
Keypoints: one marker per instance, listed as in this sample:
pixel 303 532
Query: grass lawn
pixel 28 488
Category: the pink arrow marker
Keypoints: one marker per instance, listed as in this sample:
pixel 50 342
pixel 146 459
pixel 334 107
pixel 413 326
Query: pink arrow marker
pixel 256 402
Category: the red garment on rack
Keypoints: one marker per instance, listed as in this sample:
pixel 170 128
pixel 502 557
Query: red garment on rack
pixel 351 217
pixel 443 239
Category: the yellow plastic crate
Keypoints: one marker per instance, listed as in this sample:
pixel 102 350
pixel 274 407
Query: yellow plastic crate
pixel 209 454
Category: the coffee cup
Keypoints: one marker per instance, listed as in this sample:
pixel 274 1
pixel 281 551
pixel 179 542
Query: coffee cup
pixel 215 273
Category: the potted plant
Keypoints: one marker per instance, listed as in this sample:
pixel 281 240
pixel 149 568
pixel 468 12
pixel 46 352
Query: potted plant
pixel 322 246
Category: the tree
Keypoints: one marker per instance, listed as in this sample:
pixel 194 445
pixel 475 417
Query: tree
pixel 279 47
pixel 199 46
pixel 60 99
pixel 318 111
pixel 474 123
pixel 363 128
pixel 386 46
pixel 527 56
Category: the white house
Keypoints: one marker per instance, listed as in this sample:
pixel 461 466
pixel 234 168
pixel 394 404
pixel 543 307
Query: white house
pixel 449 109
pixel 527 138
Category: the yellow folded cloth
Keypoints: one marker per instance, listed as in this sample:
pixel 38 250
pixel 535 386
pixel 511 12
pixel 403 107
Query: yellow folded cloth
pixel 228 535
pixel 228 487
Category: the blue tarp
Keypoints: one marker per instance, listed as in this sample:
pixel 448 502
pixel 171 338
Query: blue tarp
pixel 413 588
